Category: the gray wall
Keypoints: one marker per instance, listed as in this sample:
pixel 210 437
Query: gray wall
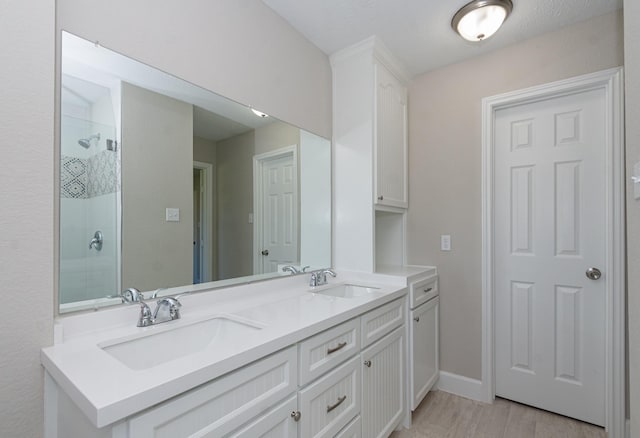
pixel 157 173
pixel 275 136
pixel 27 221
pixel 632 102
pixel 238 48
pixel 445 163
pixel 234 180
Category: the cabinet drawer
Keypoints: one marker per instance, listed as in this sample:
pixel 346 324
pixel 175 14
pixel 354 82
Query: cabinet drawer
pixel 324 351
pixel 224 404
pixel 330 403
pixel 277 423
pixel 380 321
pixel 352 430
pixel 423 290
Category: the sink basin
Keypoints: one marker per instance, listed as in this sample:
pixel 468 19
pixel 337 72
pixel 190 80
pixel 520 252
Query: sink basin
pixel 149 350
pixel 348 291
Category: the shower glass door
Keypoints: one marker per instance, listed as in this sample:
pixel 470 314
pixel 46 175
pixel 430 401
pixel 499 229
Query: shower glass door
pixel 89 206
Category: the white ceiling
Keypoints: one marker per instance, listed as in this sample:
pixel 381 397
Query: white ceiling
pixel 419 32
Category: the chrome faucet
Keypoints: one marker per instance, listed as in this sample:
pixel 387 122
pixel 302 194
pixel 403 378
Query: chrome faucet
pixel 291 269
pixel 131 295
pixel 168 308
pixel 318 278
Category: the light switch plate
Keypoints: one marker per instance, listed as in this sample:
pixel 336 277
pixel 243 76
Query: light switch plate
pixel 173 215
pixel 445 242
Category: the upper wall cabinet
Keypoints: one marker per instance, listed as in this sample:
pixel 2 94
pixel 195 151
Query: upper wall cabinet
pixel 390 141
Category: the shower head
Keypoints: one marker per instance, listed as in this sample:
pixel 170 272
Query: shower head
pixel 86 142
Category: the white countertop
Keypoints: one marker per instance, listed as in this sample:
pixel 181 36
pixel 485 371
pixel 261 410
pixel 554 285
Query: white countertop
pixel 108 391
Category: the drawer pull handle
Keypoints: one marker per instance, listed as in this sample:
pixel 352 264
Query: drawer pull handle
pixel 426 291
pixel 416 319
pixel 340 346
pixel 338 403
pixel 367 363
pixel 296 415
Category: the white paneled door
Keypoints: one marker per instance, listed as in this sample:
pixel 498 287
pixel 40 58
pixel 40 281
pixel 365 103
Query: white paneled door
pixel 278 216
pixel 550 237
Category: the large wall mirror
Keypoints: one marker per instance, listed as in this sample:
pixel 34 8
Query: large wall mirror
pixel 166 185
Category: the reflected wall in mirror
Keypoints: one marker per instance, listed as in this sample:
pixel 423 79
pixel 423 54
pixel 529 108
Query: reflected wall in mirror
pixel 164 184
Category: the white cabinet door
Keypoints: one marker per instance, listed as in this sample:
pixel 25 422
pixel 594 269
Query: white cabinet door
pixel 277 423
pixel 383 385
pixel 390 140
pixel 424 350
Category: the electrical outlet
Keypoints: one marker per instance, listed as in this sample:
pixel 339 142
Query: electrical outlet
pixel 445 242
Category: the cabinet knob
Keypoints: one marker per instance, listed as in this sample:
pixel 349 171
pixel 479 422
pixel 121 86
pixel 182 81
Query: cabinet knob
pixel 367 363
pixel 296 415
pixel 380 198
pixel 416 319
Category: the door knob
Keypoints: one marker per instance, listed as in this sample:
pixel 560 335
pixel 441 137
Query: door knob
pixel 265 252
pixel 593 273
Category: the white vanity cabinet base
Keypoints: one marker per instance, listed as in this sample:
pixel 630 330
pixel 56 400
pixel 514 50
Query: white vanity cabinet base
pixel 383 385
pixel 322 412
pixel 277 423
pixel 326 350
pixel 352 430
pixel 424 350
pixel 217 408
pixel 380 321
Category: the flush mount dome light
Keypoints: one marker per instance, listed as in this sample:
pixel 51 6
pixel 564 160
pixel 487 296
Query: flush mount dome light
pixel 259 113
pixel 480 19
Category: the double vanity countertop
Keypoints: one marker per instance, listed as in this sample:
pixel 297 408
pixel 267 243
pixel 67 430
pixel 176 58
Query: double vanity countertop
pixel 268 316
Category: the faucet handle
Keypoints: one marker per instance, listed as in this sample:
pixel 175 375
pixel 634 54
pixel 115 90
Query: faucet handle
pixel 145 319
pixel 313 281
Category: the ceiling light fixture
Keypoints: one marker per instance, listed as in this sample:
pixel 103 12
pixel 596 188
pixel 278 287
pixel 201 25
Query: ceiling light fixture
pixel 259 113
pixel 478 20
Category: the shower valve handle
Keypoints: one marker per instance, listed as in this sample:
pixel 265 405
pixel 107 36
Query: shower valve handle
pixel 96 242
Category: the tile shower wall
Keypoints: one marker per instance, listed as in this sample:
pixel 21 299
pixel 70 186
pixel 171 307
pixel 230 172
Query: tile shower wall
pixel 87 178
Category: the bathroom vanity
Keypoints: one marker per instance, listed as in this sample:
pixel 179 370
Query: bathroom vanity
pixel 255 358
pixel 273 359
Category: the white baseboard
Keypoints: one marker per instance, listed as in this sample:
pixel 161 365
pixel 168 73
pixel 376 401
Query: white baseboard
pixel 460 385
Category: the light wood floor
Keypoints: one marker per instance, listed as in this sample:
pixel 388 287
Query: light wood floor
pixel 444 415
